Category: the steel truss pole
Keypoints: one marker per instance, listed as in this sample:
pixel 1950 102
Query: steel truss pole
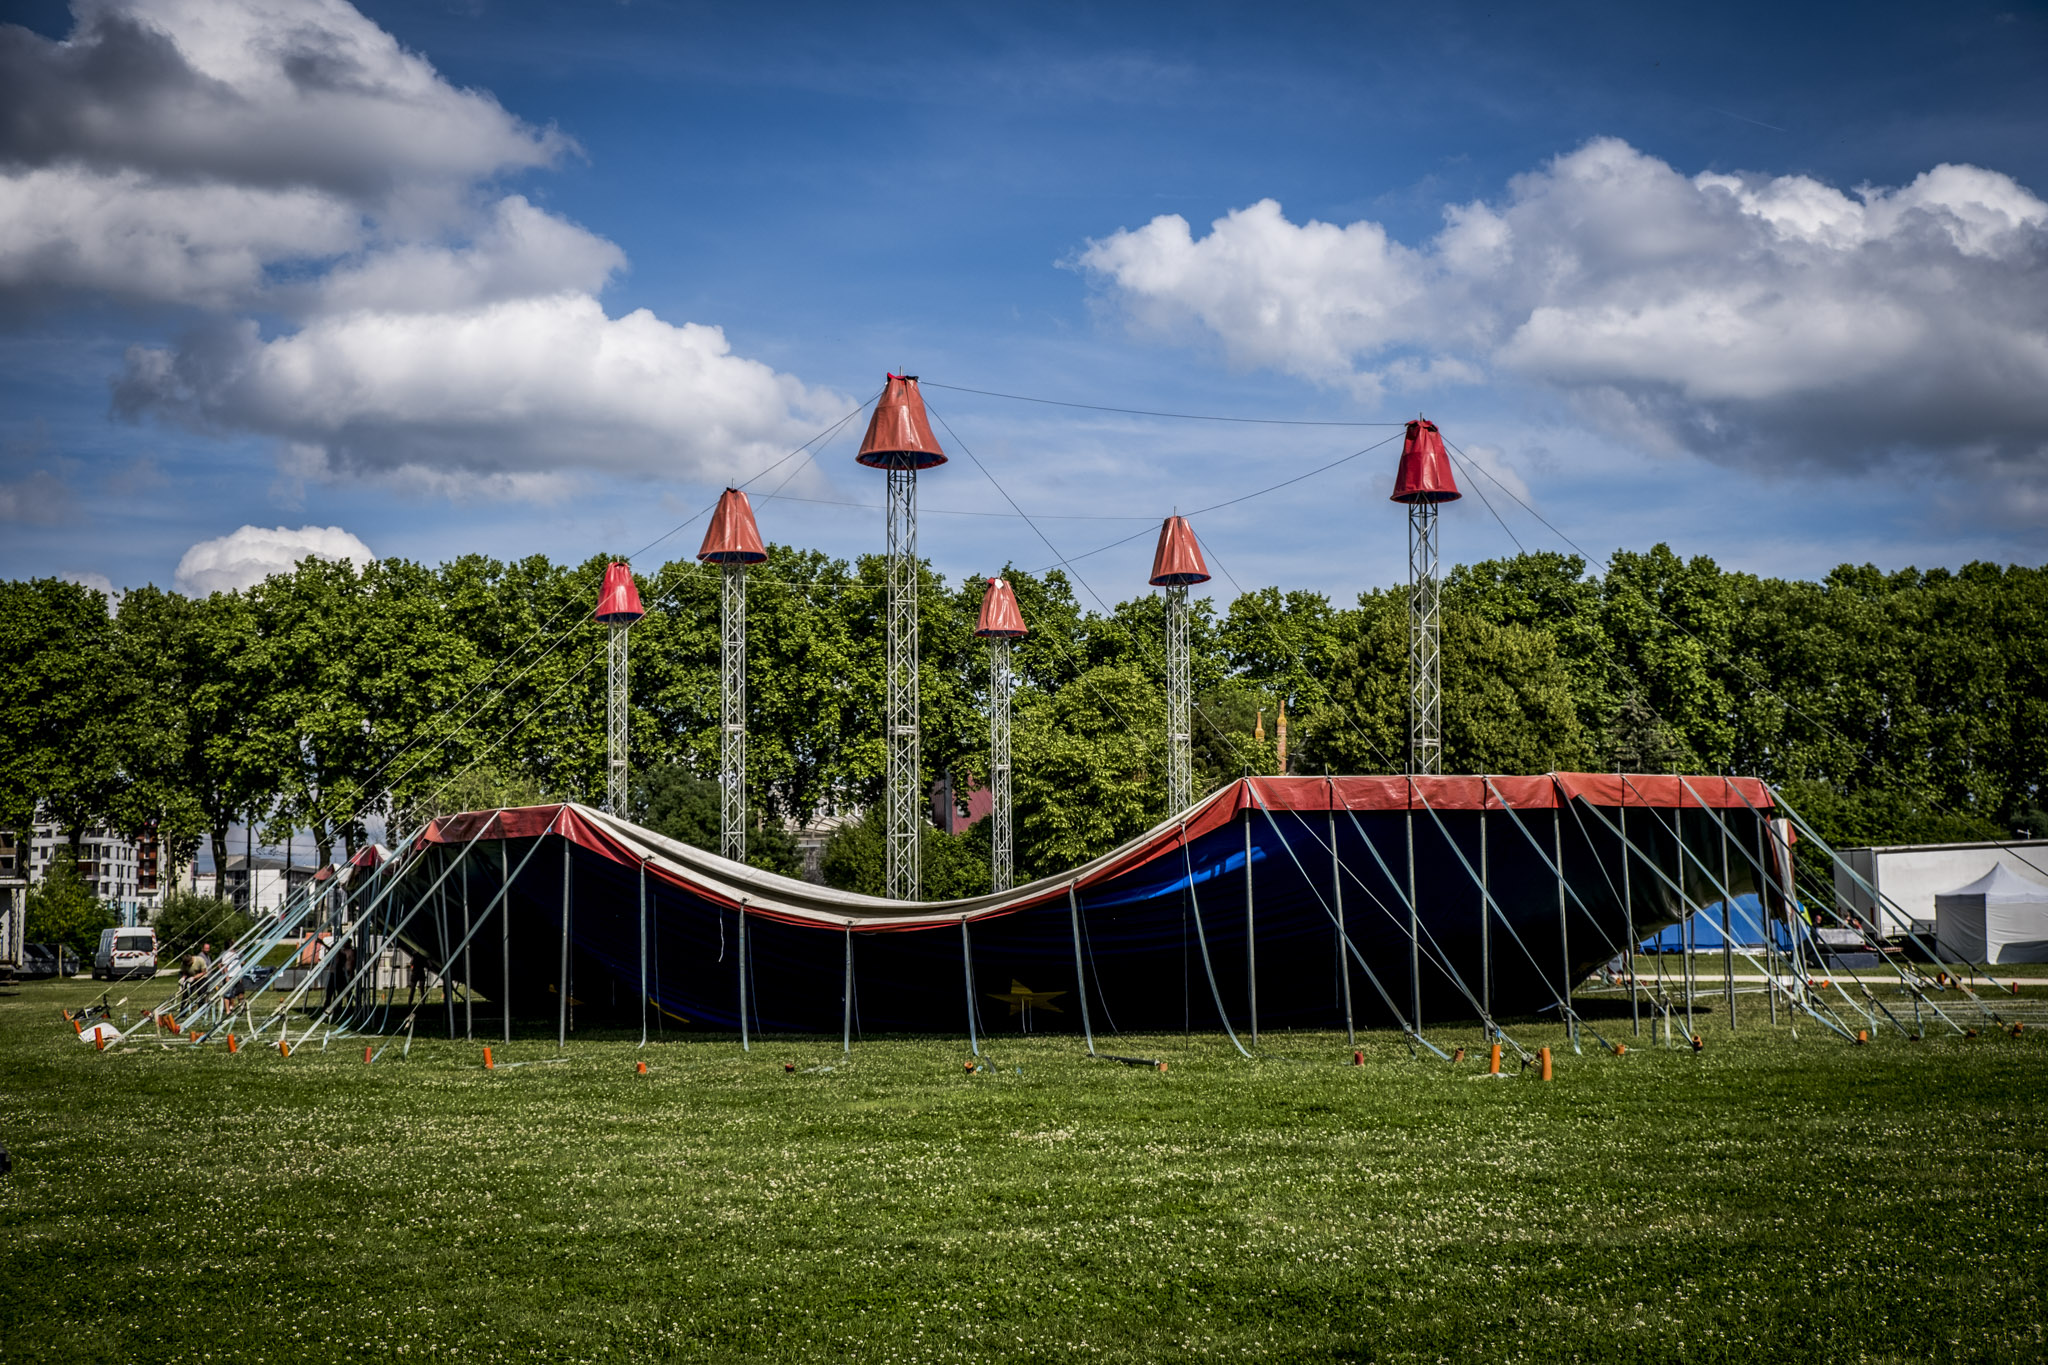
pixel 1425 745
pixel 1180 767
pixel 1002 840
pixel 732 749
pixel 1337 894
pixel 505 935
pixel 1628 909
pixel 902 870
pixel 562 1011
pixel 615 719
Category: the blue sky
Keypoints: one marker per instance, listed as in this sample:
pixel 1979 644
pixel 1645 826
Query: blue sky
pixel 1769 284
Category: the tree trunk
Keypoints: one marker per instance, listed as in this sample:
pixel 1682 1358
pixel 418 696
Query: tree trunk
pixel 219 834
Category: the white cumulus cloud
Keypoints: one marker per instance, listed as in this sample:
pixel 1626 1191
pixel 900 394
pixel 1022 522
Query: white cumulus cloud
pixel 545 385
pixel 291 156
pixel 246 557
pixel 1740 316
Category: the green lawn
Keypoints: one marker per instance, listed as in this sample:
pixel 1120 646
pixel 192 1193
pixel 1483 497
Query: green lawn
pixel 1762 1200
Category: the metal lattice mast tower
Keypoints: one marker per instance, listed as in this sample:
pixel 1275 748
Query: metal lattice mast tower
pixel 1176 564
pixel 617 728
pixel 999 624
pixel 732 711
pixel 1002 834
pixel 618 607
pixel 900 441
pixel 903 875
pixel 1180 733
pixel 1425 644
pixel 732 542
pixel 1423 481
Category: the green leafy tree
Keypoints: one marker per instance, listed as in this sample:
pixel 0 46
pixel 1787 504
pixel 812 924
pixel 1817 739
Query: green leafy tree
pixel 186 920
pixel 672 800
pixel 62 909
pixel 954 866
pixel 1090 766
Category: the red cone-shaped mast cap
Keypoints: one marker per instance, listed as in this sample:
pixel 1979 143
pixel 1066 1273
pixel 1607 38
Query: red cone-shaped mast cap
pixel 899 434
pixel 1178 560
pixel 1000 619
pixel 1425 469
pixel 619 603
pixel 732 538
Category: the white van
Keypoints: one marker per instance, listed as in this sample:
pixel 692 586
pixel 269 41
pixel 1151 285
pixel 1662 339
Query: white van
pixel 124 953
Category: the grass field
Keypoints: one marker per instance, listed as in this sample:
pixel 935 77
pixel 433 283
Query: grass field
pixel 1764 1199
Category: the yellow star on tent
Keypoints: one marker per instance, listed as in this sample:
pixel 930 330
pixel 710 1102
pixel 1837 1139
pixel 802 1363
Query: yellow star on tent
pixel 1021 997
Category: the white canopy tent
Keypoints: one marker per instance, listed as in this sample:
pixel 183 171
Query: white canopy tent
pixel 2000 917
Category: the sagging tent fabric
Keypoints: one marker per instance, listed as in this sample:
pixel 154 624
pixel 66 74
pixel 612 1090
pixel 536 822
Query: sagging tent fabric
pixel 2000 917
pixel 1151 923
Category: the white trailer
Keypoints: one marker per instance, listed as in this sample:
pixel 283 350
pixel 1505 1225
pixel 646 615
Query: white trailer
pixel 1907 878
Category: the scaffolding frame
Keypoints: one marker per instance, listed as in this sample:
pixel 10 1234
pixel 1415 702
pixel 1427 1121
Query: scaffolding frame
pixel 617 724
pixel 1180 766
pixel 1002 837
pixel 903 870
pixel 1425 653
pixel 732 711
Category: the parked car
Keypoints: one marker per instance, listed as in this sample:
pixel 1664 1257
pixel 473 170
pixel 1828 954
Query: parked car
pixel 40 961
pixel 124 953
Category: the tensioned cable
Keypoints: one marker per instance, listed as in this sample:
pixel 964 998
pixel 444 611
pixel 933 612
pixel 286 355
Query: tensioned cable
pixel 951 511
pixel 1141 412
pixel 1201 935
pixel 369 805
pixel 1749 671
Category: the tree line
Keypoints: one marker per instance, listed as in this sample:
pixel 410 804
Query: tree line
pixel 1892 707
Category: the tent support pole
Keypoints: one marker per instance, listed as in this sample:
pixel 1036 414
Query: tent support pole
pixel 1337 886
pixel 967 973
pixel 1414 925
pixel 505 935
pixel 746 1039
pixel 1763 900
pixel 1728 928
pixel 447 963
pixel 1628 910
pixel 1251 946
pixel 1080 977
pixel 643 951
pixel 562 987
pixel 1685 937
pixel 846 998
pixel 1485 927
pixel 1564 929
pixel 468 987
